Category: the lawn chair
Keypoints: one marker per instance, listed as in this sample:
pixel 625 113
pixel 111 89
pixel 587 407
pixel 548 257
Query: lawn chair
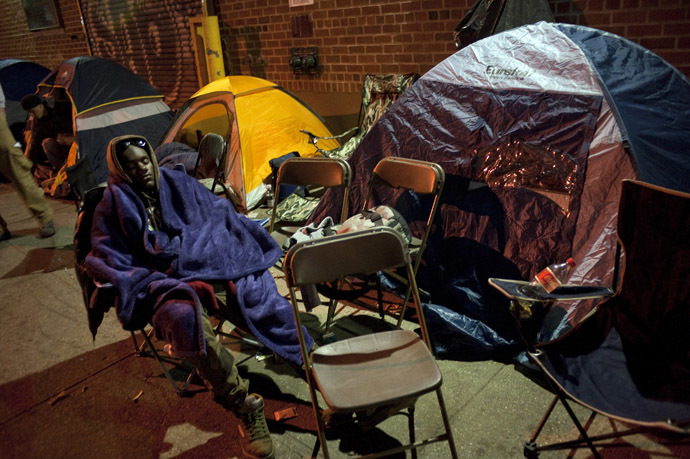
pixel 421 177
pixel 378 93
pixel 629 359
pixel 375 371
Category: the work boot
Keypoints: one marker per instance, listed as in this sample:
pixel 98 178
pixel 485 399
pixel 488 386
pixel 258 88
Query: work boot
pixel 47 229
pixel 251 413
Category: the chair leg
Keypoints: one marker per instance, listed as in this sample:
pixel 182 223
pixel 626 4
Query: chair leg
pixel 410 426
pixel 446 424
pixel 404 307
pixel 179 390
pixel 531 449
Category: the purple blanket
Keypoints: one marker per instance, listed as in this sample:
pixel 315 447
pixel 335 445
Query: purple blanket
pixel 202 238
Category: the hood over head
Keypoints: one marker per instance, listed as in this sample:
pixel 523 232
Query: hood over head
pixel 117 172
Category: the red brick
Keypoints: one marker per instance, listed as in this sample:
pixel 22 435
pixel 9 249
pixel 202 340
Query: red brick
pixel 596 20
pixel 676 29
pixel 658 43
pixel 670 15
pixel 390 8
pixel 629 17
pixel 648 30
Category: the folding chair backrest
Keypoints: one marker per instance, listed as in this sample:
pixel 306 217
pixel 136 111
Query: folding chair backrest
pixel 324 172
pixel 360 252
pixel 654 230
pixel 422 177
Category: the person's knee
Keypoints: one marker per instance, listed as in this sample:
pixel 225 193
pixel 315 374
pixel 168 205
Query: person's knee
pixel 176 323
pixel 49 145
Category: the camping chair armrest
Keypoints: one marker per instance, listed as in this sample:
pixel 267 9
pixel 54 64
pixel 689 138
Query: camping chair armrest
pixel 524 301
pixel 520 290
pixel 313 138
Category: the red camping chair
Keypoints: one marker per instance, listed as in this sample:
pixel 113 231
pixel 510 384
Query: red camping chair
pixel 629 359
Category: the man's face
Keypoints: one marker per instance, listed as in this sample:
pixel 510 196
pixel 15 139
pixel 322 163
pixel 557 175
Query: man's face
pixel 37 112
pixel 138 167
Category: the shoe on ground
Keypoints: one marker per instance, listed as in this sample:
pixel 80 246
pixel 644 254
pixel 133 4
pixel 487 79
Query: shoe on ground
pixel 47 229
pixel 254 428
pixel 5 236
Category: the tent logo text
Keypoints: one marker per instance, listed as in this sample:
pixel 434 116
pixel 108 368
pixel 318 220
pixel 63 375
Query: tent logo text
pixel 506 73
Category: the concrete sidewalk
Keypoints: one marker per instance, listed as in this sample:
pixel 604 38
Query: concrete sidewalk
pixel 53 370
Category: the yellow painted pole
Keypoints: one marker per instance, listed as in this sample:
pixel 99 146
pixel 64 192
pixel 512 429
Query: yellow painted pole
pixel 213 49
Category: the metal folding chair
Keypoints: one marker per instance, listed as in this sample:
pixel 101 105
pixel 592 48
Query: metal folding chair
pixel 421 177
pixel 384 369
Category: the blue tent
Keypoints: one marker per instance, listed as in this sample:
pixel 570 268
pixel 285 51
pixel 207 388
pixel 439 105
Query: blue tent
pixel 535 128
pixel 18 78
pixel 107 101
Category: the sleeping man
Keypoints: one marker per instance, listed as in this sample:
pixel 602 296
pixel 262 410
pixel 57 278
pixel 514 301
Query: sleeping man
pixel 159 240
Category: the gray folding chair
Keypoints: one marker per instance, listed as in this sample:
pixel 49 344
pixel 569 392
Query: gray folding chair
pixel 373 363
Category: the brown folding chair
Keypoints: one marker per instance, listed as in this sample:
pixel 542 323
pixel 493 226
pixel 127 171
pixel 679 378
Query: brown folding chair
pixel 422 177
pixel 319 172
pixel 373 363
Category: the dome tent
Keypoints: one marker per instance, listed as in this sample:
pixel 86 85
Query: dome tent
pixel 259 120
pixel 535 127
pixel 107 101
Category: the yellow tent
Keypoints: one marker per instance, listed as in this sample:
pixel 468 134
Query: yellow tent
pixel 260 121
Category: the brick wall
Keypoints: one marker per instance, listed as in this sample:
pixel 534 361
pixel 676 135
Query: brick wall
pixel 47 47
pixel 355 37
pixel 662 26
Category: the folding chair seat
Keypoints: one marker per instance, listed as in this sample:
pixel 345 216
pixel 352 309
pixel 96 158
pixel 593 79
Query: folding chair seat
pixel 629 358
pixel 364 372
pixel 304 172
pixel 423 178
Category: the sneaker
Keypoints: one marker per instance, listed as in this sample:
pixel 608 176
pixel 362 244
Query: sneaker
pixel 47 229
pixel 251 413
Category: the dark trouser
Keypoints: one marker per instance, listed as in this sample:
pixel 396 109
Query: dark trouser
pixel 217 368
pixel 55 152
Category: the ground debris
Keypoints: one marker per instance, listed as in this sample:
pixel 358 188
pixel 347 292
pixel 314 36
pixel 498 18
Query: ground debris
pixel 57 398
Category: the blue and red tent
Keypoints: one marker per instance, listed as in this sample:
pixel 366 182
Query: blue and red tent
pixel 535 128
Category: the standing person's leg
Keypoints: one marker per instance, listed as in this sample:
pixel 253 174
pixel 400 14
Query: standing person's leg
pixel 30 192
pixel 17 168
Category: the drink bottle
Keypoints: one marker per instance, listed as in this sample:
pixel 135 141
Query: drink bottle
pixel 552 276
pixel 269 196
